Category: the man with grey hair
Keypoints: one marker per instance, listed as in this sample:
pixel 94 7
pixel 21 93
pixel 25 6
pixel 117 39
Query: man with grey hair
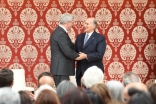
pixel 8 96
pixel 62 50
pixel 130 77
pixel 93 75
pixel 93 46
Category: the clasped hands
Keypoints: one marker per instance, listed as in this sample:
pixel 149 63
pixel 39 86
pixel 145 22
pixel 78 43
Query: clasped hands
pixel 81 56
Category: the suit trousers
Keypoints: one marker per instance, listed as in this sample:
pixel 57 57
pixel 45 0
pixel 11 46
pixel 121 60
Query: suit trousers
pixel 59 78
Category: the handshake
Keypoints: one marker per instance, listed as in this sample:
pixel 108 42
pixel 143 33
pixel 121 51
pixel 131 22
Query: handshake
pixel 81 56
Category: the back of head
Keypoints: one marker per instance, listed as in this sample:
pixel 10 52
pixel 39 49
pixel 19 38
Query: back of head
pixel 44 74
pixel 63 87
pixel 46 80
pixel 137 85
pixel 89 80
pixel 75 96
pixel 139 97
pixel 115 88
pixel 95 98
pixel 6 77
pixel 130 77
pixel 25 99
pixel 66 17
pixel 102 90
pixel 41 88
pixel 152 90
pixel 8 96
pixel 47 97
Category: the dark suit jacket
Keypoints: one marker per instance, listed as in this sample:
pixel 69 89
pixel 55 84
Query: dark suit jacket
pixel 94 48
pixel 62 53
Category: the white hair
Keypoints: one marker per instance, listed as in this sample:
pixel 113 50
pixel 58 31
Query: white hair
pixel 41 88
pixel 115 88
pixel 130 77
pixel 8 96
pixel 93 75
pixel 66 17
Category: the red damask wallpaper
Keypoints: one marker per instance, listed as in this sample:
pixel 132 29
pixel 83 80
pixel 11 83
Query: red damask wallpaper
pixel 128 25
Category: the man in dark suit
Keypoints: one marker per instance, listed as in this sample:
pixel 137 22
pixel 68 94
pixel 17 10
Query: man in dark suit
pixel 63 54
pixel 93 50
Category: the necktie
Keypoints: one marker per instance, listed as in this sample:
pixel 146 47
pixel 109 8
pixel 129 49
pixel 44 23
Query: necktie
pixel 86 39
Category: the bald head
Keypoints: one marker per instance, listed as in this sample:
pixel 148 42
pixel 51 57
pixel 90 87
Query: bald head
pixel 137 85
pixel 46 80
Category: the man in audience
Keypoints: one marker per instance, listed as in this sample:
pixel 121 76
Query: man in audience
pixel 93 75
pixel 8 96
pixel 46 78
pixel 6 77
pixel 137 85
pixel 130 77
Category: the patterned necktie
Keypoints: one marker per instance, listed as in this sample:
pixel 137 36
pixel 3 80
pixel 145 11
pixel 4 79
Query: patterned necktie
pixel 86 39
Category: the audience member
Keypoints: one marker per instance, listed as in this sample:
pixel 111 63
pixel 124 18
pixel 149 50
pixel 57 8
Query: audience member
pixel 152 91
pixel 63 87
pixel 136 85
pixel 102 90
pixel 139 97
pixel 6 77
pixel 47 97
pixel 25 99
pixel 115 88
pixel 93 75
pixel 41 88
pixel 49 78
pixel 75 96
pixel 8 96
pixel 94 98
pixel 130 77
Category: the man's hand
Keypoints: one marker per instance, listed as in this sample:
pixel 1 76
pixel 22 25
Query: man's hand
pixel 81 56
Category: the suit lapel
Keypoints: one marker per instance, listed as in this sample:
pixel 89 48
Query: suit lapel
pixel 89 40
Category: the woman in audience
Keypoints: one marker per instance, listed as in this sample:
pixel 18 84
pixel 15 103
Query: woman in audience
pixel 102 90
pixel 139 97
pixel 75 96
pixel 152 90
pixel 63 87
pixel 47 97
pixel 115 88
pixel 25 99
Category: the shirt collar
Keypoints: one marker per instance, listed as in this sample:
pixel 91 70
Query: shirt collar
pixel 89 34
pixel 64 28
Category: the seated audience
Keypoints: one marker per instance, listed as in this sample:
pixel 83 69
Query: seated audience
pixel 25 99
pixel 102 90
pixel 8 96
pixel 41 88
pixel 93 75
pixel 130 77
pixel 139 97
pixel 94 98
pixel 115 88
pixel 63 87
pixel 136 85
pixel 6 77
pixel 152 90
pixel 75 96
pixel 47 97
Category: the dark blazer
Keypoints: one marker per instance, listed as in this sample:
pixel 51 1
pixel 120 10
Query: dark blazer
pixel 62 53
pixel 94 48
